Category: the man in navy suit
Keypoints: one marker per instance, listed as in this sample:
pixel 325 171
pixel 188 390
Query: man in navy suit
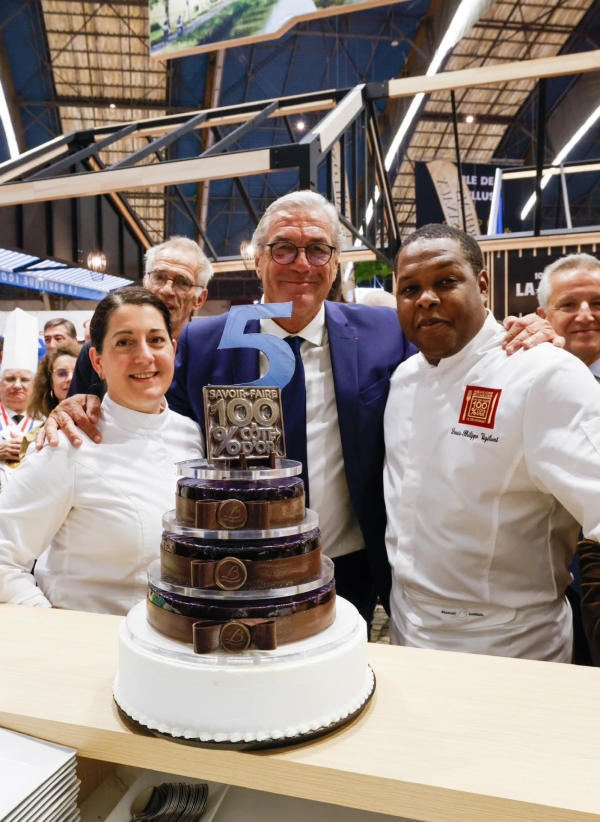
pixel 345 356
pixel 348 353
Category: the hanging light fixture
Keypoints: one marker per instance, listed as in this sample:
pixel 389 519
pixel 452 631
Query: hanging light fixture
pixel 96 261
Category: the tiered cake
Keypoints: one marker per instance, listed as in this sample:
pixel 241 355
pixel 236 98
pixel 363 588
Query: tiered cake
pixel 241 639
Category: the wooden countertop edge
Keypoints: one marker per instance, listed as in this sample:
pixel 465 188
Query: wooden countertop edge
pixel 330 785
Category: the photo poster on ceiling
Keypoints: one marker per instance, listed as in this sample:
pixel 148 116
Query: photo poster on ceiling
pixel 437 194
pixel 181 27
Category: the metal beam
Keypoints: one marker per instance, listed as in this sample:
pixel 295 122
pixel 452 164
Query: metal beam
pixel 190 213
pixel 93 148
pixel 240 187
pixel 79 101
pixel 479 119
pixel 356 233
pixel 384 181
pixel 338 120
pixel 229 115
pixel 122 205
pixel 239 132
pixel 161 142
pixel 212 95
pixel 36 157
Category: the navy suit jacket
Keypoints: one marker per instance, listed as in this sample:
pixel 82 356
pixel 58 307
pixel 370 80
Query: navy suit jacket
pixel 366 346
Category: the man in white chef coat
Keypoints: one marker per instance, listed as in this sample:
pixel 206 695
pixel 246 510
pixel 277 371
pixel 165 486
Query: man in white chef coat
pixel 492 462
pixel 17 372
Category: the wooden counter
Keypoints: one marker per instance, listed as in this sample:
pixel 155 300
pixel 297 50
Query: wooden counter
pixel 447 736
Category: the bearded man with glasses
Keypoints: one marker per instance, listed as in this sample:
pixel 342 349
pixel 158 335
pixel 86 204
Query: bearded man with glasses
pixel 178 273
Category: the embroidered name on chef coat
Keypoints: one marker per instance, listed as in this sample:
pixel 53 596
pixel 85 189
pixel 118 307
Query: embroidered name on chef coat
pixel 479 406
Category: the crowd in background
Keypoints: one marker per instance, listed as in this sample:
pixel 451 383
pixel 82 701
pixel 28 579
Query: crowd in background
pixel 27 395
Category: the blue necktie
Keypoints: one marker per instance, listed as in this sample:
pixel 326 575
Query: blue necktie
pixel 293 398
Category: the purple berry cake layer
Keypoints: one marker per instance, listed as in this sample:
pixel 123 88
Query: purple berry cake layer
pixel 273 563
pixel 266 623
pixel 236 504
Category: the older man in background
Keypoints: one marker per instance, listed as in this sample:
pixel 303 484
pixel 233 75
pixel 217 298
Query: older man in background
pixel 57 332
pixel 569 297
pixel 178 273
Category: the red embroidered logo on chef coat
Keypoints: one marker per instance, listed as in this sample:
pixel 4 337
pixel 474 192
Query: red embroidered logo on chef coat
pixel 479 406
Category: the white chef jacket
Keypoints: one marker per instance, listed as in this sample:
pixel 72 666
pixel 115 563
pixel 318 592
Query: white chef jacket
pixel 329 492
pixel 8 425
pixel 99 507
pixel 482 521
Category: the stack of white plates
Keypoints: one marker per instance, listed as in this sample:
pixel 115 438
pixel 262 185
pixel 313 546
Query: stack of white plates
pixel 38 782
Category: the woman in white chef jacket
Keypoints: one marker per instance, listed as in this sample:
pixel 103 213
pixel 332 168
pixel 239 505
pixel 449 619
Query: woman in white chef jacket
pixel 100 506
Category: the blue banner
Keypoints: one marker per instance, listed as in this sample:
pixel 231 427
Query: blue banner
pixel 23 280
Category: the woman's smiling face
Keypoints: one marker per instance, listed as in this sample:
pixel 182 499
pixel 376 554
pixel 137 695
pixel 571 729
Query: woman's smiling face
pixel 137 358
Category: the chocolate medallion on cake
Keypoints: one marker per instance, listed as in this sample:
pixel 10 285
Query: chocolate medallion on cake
pixel 232 513
pixel 230 574
pixel 235 637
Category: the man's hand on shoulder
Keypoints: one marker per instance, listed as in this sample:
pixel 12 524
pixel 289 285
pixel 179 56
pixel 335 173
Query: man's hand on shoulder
pixel 72 416
pixel 529 331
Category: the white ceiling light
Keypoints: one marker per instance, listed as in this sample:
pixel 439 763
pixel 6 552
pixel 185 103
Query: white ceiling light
pixel 460 23
pixel 9 131
pixel 469 118
pixel 561 156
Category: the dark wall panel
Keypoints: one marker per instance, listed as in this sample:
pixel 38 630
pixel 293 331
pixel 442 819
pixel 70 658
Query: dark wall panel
pixel 110 237
pixel 9 234
pixel 63 228
pixel 88 238
pixel 34 229
pixel 131 257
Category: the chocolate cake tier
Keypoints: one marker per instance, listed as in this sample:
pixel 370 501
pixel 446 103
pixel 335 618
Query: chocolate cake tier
pixel 262 623
pixel 236 504
pixel 271 563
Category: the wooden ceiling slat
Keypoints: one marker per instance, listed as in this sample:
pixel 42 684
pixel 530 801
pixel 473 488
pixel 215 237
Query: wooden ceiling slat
pixel 100 51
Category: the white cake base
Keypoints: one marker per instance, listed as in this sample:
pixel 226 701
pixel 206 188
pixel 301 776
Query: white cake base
pixel 255 696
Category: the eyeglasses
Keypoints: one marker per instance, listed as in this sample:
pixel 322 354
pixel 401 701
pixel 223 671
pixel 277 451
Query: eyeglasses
pixel 181 285
pixel 63 373
pixel 285 252
pixel 10 380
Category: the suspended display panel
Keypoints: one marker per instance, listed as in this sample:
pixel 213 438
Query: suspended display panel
pixel 180 27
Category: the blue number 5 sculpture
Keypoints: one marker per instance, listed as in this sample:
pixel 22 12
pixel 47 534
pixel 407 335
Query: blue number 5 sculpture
pixel 281 358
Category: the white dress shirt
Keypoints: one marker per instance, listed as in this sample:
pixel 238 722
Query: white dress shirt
pixel 100 509
pixel 482 521
pixel 595 369
pixel 329 494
